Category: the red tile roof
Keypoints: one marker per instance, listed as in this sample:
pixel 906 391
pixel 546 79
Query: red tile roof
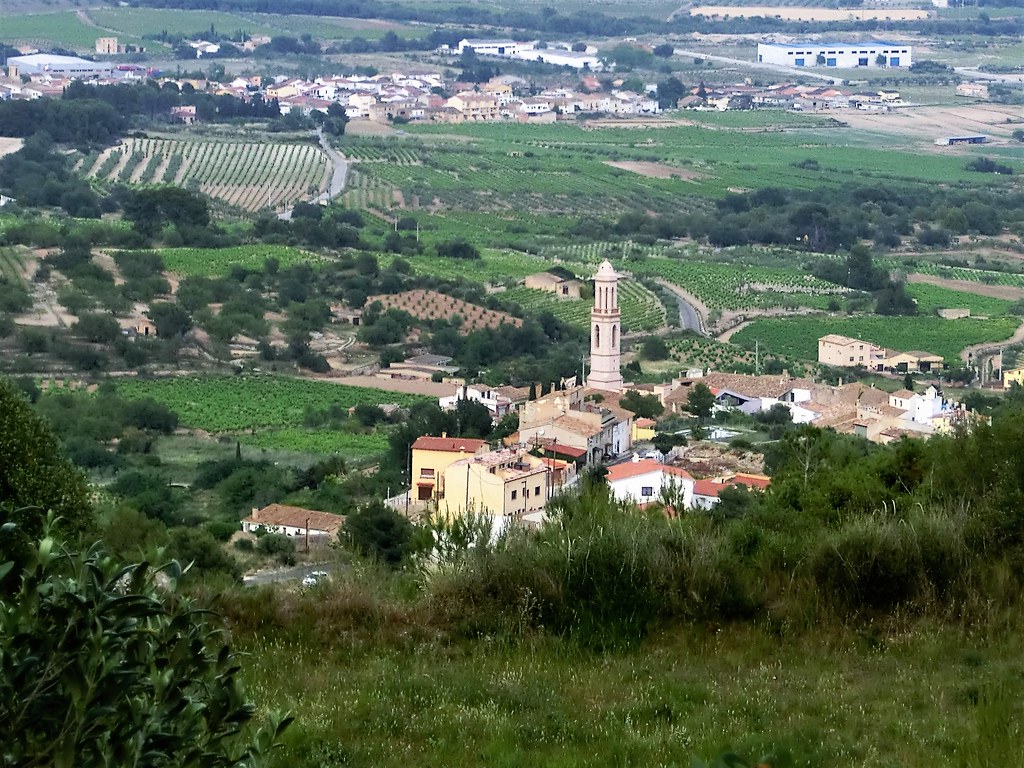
pixel 646 466
pixel 449 444
pixel 295 517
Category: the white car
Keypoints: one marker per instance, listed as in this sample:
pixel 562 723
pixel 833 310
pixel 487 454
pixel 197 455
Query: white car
pixel 314 578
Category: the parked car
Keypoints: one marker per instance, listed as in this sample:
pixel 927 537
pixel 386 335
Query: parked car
pixel 314 578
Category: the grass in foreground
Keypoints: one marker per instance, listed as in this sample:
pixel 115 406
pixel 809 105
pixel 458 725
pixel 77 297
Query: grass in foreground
pixel 920 696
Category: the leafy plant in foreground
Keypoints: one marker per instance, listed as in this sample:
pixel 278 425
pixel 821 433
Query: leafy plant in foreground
pixel 104 665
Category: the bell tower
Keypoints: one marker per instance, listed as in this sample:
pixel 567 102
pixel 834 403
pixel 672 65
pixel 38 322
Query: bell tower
pixel 605 325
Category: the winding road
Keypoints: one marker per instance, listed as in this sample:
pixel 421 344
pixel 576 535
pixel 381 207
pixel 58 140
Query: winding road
pixel 339 176
pixel 690 319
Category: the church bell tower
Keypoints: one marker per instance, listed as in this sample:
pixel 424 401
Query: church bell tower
pixel 605 325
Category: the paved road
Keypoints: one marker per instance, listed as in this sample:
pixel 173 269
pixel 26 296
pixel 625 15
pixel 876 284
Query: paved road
pixel 339 175
pixel 297 573
pixel 689 317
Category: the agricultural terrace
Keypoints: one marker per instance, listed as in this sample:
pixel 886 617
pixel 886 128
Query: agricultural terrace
pixel 322 441
pixel 931 298
pixel 493 267
pixel 247 175
pixel 797 337
pixel 251 403
pixel 983 276
pixel 141 21
pixel 698 352
pixel 431 305
pixel 216 262
pixel 564 168
pixel 731 287
pixel 641 309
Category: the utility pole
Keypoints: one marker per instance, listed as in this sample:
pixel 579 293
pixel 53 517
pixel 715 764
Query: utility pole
pixel 307 535
pixel 757 357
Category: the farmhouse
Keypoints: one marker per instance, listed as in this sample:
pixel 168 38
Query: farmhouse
pixel 845 352
pixel 949 141
pixel 877 53
pixel 912 362
pixel 562 287
pixel 293 521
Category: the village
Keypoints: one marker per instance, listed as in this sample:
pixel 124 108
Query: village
pixel 576 427
pixel 437 96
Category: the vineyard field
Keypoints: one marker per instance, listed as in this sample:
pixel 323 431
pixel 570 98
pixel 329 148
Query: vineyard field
pixel 247 175
pixel 242 403
pixel 493 266
pixel 322 441
pixel 931 298
pixel 641 310
pixel 797 337
pixel 215 262
pixel 733 287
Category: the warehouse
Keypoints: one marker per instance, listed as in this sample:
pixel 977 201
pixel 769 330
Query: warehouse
pixel 59 66
pixel 840 55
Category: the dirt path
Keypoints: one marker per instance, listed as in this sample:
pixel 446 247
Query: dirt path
pixel 726 336
pixel 980 350
pixel 1008 292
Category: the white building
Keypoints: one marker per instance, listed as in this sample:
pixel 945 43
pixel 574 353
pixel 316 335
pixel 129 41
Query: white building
pixel 293 521
pixel 840 55
pixel 507 48
pixel 605 323
pixel 63 66
pixel 641 482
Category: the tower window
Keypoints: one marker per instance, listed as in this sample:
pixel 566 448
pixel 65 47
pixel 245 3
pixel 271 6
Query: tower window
pixel 597 335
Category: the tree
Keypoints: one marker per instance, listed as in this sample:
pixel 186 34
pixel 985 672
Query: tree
pixel 378 531
pixel 700 401
pixel 655 348
pixel 665 50
pixel 170 319
pixel 35 479
pixel 105 664
pixel 644 406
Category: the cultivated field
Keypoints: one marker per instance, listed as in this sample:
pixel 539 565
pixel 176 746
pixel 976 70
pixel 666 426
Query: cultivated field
pixel 641 310
pixel 431 305
pixel 809 14
pixel 797 337
pixel 247 175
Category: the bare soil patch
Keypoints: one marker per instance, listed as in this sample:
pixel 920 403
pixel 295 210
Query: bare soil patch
pixel 9 146
pixel 935 122
pixel 368 128
pixel 653 170
pixel 1008 292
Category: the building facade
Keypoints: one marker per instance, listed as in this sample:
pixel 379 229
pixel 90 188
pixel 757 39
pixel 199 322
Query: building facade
pixel 431 456
pixel 874 53
pixel 505 483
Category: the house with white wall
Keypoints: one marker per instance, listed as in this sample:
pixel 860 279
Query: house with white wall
pixel 641 481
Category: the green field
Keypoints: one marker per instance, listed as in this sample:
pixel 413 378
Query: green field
pixel 731 286
pixel 45 29
pixel 931 298
pixel 143 21
pixel 493 266
pixel 798 336
pixel 641 310
pixel 239 403
pixel 214 262
pixel 323 441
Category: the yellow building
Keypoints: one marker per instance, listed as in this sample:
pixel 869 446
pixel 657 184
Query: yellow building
pixel 501 483
pixel 1016 376
pixel 643 430
pixel 431 456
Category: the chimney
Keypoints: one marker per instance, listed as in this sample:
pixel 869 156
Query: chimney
pixel 444 434
pixel 255 513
